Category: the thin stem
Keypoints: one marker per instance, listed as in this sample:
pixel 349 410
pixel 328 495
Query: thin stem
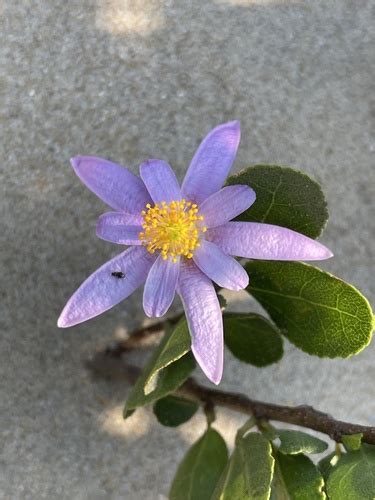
pixel 303 416
pixel 249 424
pixel 108 363
pixel 209 411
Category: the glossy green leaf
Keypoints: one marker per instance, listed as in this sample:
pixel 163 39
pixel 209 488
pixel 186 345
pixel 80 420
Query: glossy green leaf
pixel 318 312
pixel 353 477
pixel 294 442
pixel 201 468
pixel 176 344
pixel 285 197
pixel 252 339
pixel 249 472
pixel 352 442
pixel 296 478
pixel 167 381
pixel 172 411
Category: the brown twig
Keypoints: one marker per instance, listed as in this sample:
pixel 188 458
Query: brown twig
pixel 303 416
pixel 104 365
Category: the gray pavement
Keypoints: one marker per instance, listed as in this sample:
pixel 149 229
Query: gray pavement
pixel 128 80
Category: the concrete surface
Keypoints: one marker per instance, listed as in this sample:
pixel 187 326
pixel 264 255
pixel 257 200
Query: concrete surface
pixel 128 80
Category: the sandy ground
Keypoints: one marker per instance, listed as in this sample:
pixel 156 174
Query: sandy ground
pixel 128 80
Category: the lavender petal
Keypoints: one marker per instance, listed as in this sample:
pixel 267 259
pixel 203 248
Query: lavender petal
pixel 219 267
pixel 204 319
pixel 115 185
pixel 160 181
pixel 106 287
pixel 160 287
pixel 265 241
pixel 226 204
pixel 211 163
pixel 120 228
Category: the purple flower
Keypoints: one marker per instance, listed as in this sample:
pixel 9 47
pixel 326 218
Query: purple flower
pixel 181 239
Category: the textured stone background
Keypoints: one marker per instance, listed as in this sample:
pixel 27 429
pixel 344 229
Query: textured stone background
pixel 128 80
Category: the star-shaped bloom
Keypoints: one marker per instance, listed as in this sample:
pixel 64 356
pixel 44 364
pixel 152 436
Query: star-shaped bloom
pixel 181 240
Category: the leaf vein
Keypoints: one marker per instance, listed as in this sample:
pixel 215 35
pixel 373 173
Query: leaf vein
pixel 295 297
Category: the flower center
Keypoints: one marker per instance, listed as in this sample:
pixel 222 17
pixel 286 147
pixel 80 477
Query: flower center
pixel 173 228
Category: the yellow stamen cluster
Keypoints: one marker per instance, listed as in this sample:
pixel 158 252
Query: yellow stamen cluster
pixel 173 228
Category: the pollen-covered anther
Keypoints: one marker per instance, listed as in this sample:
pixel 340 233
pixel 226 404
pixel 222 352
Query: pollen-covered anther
pixel 172 228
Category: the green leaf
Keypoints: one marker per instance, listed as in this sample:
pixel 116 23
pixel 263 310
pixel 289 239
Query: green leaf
pixel 285 197
pixel 252 339
pixel 201 468
pixel 326 464
pixel 293 442
pixel 352 442
pixel 318 312
pixel 128 413
pixel 169 378
pixel 172 411
pixel 248 474
pixel 268 431
pixel 353 478
pixel 296 478
pixel 175 346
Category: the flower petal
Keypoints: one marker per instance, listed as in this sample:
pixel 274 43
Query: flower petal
pixel 265 241
pixel 119 227
pixel 226 204
pixel 103 290
pixel 115 185
pixel 160 180
pixel 222 269
pixel 204 319
pixel 211 163
pixel 160 287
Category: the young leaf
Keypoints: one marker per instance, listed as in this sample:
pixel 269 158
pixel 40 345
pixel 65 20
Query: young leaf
pixel 353 477
pixel 294 442
pixel 175 346
pixel 352 442
pixel 284 197
pixel 172 411
pixel 252 339
pixel 319 313
pixel 296 478
pixel 168 380
pixel 248 474
pixel 201 468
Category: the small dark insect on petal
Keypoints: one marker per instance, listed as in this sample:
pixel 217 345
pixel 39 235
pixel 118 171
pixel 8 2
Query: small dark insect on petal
pixel 118 274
